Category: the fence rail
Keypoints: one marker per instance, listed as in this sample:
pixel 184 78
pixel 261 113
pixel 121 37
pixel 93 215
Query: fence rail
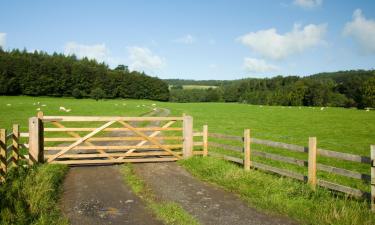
pixel 312 153
pixel 10 150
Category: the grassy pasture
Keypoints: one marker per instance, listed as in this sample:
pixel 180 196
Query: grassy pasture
pixel 338 129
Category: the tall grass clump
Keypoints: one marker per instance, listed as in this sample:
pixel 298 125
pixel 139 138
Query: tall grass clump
pixel 30 195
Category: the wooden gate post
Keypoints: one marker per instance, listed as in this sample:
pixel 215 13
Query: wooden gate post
pixel 187 150
pixel 373 178
pixel 205 140
pixel 3 154
pixel 312 162
pixel 247 153
pixel 36 141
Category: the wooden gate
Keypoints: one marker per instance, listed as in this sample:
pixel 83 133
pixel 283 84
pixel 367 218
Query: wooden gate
pixel 98 140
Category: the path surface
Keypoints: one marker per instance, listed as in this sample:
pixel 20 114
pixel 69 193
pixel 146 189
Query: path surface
pixel 209 204
pixel 98 195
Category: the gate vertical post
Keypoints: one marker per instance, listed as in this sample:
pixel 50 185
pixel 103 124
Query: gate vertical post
pixel 187 150
pixel 36 140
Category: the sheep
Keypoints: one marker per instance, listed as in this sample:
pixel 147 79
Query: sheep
pixel 322 108
pixel 44 105
pixel 67 110
pixel 9 104
pixel 62 108
pixel 38 109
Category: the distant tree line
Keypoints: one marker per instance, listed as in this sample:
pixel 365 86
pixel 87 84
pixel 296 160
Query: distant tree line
pixel 41 74
pixel 354 88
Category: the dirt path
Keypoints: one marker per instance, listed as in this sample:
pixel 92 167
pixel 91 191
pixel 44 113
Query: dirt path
pixel 209 204
pixel 98 195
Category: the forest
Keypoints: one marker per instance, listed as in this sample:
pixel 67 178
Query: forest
pixel 355 88
pixel 41 74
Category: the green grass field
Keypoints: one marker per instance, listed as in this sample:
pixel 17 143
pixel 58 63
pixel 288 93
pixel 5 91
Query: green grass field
pixel 338 129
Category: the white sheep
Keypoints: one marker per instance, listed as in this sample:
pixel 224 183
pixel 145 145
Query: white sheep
pixel 67 110
pixel 9 104
pixel 38 109
pixel 322 108
pixel 62 108
pixel 44 105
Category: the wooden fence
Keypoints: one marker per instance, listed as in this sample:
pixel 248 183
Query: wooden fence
pixel 312 152
pixel 10 149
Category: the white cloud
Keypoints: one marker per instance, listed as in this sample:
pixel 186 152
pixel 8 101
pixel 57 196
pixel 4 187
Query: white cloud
pixel 96 51
pixel 308 4
pixel 2 39
pixel 362 30
pixel 273 45
pixel 258 65
pixel 187 39
pixel 144 59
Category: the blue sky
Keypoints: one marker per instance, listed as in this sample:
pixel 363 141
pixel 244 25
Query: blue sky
pixel 199 39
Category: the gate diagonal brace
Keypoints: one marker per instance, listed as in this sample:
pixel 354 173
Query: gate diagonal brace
pixel 155 133
pixel 150 139
pixel 97 130
pixel 76 135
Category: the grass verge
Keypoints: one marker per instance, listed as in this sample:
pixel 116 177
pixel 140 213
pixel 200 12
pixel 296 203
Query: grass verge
pixel 30 195
pixel 168 212
pixel 281 195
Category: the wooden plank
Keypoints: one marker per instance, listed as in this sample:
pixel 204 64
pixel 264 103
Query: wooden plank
pixel 226 147
pixel 280 158
pixel 343 172
pixel 3 154
pixel 115 147
pixel 246 147
pixel 179 138
pixel 291 147
pixel 36 142
pixel 111 161
pixel 99 155
pixel 188 136
pixel 226 157
pixel 312 162
pixel 150 139
pixel 198 152
pixel 76 135
pixel 65 129
pixel 225 136
pixel 197 134
pixel 279 171
pixel 341 188
pixel 97 130
pixel 24 134
pixel 344 156
pixel 198 143
pixel 105 118
pixel 372 198
pixel 15 143
pixel 154 134
pixel 205 140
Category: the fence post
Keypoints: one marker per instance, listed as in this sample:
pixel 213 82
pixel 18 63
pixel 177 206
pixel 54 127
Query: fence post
pixel 36 141
pixel 205 140
pixel 247 152
pixel 188 136
pixel 3 154
pixel 312 162
pixel 373 178
pixel 16 145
